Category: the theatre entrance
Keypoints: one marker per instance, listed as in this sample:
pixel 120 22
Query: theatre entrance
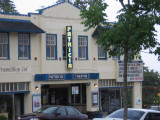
pixel 58 96
pixel 54 96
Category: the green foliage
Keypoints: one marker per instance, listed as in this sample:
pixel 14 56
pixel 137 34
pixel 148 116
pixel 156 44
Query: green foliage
pixel 7 6
pixel 3 117
pixel 151 78
pixel 133 31
pixel 150 85
pixel 134 28
pixel 94 15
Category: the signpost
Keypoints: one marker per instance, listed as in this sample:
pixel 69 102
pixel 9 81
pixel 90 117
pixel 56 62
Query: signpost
pixel 75 91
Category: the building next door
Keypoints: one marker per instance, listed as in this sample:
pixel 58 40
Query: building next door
pixel 58 96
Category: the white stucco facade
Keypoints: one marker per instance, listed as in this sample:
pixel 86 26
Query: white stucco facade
pixel 53 20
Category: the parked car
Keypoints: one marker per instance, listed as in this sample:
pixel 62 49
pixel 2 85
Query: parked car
pixel 55 113
pixel 133 114
pixel 154 108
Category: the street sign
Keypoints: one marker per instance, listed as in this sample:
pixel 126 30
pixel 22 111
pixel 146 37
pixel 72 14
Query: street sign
pixel 75 90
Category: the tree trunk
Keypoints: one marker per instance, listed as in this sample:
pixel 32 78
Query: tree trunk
pixel 125 87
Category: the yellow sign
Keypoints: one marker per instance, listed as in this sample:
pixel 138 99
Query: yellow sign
pixel 69 47
pixel 158 94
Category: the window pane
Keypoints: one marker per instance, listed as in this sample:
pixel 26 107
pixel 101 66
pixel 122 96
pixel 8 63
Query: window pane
pixel 27 86
pixel 53 51
pixel 64 47
pixel 101 52
pixel 51 46
pixel 3 45
pixel 26 51
pixel 62 111
pixel 15 86
pixel 21 86
pixel 82 45
pixel 11 86
pixel 48 51
pixel 7 86
pixel 5 51
pixel 3 87
pixel 24 46
pixel 71 111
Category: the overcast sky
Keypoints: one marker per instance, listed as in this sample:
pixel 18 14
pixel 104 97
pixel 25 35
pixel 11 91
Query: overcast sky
pixel 26 6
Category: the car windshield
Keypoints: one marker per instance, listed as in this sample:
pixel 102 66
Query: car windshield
pixel 47 110
pixel 132 114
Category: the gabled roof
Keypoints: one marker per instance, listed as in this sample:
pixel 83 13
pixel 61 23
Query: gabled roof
pixel 23 26
pixel 64 1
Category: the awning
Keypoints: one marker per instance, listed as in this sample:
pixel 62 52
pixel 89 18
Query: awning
pixel 23 26
pixel 97 32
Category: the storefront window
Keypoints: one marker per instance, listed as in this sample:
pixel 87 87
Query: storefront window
pixel 11 86
pixel 15 86
pixel 21 86
pixel 3 87
pixel 6 106
pixel 110 100
pixel 27 86
pixel 7 86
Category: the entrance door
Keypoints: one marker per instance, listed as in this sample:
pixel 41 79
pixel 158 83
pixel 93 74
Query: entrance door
pixel 19 110
pixel 58 96
pixel 110 100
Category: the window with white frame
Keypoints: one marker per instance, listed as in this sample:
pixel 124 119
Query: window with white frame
pixel 4 46
pixel 64 46
pixel 102 55
pixel 83 47
pixel 51 46
pixel 24 46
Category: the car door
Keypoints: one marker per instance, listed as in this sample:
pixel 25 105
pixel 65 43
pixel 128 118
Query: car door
pixel 72 114
pixel 61 113
pixel 152 116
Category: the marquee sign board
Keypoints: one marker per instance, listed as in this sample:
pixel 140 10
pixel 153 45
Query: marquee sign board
pixel 69 47
pixel 135 71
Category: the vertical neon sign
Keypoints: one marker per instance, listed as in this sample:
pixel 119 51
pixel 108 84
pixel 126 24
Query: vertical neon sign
pixel 69 47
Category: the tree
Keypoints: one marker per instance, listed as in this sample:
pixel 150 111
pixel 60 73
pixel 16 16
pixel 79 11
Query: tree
pixel 133 31
pixel 151 78
pixel 7 6
pixel 151 87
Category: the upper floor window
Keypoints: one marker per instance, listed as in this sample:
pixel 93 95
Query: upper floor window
pixel 64 46
pixel 24 46
pixel 102 55
pixel 4 46
pixel 116 57
pixel 51 46
pixel 83 47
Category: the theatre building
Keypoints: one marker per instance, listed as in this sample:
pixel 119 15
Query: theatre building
pixel 46 58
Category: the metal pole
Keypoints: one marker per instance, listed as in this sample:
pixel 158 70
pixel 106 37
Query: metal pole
pixel 13 111
pixel 74 99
